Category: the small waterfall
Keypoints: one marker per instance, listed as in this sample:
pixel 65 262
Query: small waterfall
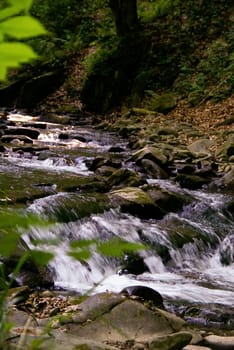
pixel 192 271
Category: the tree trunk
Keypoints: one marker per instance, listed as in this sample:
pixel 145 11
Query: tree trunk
pixel 125 16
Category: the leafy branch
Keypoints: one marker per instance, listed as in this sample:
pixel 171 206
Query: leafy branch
pixel 17 24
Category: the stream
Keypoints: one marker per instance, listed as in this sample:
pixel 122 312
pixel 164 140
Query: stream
pixel 194 281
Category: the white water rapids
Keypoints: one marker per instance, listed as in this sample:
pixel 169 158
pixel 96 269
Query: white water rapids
pixel 193 274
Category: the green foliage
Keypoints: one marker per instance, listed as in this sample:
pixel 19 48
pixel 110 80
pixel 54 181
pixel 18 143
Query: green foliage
pixel 212 78
pixel 149 11
pixel 117 247
pixel 17 24
pixel 82 250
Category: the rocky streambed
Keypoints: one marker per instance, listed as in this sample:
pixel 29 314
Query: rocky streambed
pixel 156 181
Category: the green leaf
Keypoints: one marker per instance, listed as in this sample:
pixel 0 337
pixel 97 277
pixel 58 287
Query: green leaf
pixel 9 12
pixel 12 220
pixel 82 243
pixel 22 27
pixel 13 54
pixel 46 241
pixel 81 255
pixel 21 4
pixel 116 247
pixel 40 257
pixel 9 243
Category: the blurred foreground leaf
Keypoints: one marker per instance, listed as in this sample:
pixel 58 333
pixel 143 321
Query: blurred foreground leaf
pixel 117 247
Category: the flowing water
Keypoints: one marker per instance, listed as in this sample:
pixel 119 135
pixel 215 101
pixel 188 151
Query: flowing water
pixel 193 272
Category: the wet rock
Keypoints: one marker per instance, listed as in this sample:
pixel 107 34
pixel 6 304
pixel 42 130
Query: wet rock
pixel 63 136
pixel 135 201
pixel 171 342
pixel 153 169
pixel 219 343
pixel 213 316
pixel 98 162
pixel 133 264
pixel 16 139
pixel 187 169
pixel 35 125
pixel 144 294
pixel 167 200
pixel 73 206
pixel 149 152
pixel 124 177
pixel 105 171
pixel 29 132
pixel 116 149
pixel 79 138
pixel 192 182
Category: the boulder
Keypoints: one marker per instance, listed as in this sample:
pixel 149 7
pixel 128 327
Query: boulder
pixel 201 148
pixel 153 169
pixel 144 294
pixel 167 200
pixel 126 320
pixel 124 177
pixel 96 305
pixel 192 182
pixel 155 154
pixel 133 264
pixel 135 201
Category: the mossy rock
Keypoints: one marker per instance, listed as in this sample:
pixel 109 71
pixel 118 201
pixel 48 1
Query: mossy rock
pixel 135 201
pixel 153 169
pixel 150 152
pixel 201 148
pixel 167 200
pixel 162 103
pixel 124 177
pixel 66 207
pixel 227 149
